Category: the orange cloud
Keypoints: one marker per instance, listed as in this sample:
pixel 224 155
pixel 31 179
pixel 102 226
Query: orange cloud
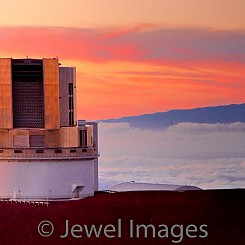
pixel 141 69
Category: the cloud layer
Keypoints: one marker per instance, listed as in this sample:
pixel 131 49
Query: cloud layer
pixel 209 156
pixel 154 68
pixel 144 43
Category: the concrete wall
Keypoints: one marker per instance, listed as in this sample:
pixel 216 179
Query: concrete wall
pixel 46 179
pixel 51 93
pixel 63 137
pixel 6 110
pixel 67 75
pixel 6 138
pixel 69 137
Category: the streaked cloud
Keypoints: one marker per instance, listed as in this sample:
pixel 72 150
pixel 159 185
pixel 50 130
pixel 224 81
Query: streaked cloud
pixel 141 43
pixel 149 65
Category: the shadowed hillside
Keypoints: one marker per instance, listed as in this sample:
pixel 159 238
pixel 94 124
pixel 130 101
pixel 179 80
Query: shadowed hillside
pixel 221 210
pixel 218 114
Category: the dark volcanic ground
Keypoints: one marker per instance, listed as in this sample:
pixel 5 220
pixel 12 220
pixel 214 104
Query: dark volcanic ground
pixel 221 210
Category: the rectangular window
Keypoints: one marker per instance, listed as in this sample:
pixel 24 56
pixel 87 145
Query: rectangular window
pixel 39 151
pixel 71 104
pixel 36 140
pixel 83 138
pixel 70 85
pixel 17 151
pixel 21 141
pixel 58 151
pixel 71 118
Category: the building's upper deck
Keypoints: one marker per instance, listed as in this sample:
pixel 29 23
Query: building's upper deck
pixel 30 154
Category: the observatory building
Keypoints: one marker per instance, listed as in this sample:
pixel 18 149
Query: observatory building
pixel 45 152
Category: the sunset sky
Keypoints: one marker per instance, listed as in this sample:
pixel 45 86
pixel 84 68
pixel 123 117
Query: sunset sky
pixel 135 56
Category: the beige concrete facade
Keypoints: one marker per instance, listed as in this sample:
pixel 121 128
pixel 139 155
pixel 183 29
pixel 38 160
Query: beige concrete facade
pixel 51 93
pixel 6 109
pixel 67 75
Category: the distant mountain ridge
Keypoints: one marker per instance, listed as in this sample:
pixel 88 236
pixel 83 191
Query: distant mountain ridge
pixel 214 114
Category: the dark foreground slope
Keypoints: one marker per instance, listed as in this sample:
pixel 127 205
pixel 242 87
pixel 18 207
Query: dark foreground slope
pixel 221 210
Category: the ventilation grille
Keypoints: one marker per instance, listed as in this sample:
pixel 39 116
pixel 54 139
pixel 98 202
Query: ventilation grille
pixel 28 111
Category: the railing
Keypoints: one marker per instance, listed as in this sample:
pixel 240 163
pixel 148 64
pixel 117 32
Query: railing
pixel 48 153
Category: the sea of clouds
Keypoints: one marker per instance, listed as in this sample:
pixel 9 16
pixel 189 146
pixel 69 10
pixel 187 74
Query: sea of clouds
pixel 205 155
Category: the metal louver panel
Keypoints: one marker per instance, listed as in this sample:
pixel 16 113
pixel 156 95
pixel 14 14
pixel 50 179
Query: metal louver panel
pixel 28 104
pixel 27 93
pixel 21 140
pixel 36 140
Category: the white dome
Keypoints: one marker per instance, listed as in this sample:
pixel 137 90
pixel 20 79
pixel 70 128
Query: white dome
pixel 132 186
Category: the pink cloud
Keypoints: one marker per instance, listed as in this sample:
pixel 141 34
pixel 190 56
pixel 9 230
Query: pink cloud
pixel 143 43
pixel 208 66
pixel 78 44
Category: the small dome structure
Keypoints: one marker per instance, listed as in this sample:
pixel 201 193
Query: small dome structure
pixel 132 186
